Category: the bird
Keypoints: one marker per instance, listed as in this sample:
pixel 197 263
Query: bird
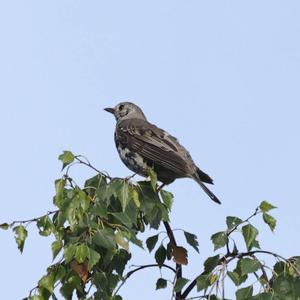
pixel 142 145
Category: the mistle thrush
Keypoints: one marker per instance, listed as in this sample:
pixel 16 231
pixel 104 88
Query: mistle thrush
pixel 142 145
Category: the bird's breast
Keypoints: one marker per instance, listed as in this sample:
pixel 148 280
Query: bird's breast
pixel 133 161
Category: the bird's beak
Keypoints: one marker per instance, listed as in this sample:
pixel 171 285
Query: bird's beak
pixel 110 110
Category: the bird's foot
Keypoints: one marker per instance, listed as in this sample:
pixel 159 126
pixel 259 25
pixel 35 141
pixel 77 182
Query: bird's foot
pixel 130 177
pixel 160 187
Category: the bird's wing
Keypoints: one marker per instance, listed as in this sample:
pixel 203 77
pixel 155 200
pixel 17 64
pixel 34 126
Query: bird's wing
pixel 155 145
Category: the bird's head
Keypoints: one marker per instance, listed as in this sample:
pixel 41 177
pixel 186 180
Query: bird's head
pixel 126 110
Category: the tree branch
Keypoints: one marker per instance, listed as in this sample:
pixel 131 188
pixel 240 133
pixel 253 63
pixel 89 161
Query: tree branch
pixel 230 257
pixel 147 266
pixel 141 268
pixel 189 288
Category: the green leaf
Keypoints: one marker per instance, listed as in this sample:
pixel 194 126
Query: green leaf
pixel 121 241
pixel 213 278
pixel 151 242
pixel 133 239
pixel 75 206
pixel 214 297
pixel 279 267
pixel 135 197
pixel 287 287
pixel 233 222
pixel 266 206
pixel 59 188
pixel 116 298
pixel 249 265
pixel 169 250
pixel 45 226
pixel 211 263
pixel 21 235
pixel 149 204
pixel 119 261
pixel 120 190
pixel 99 209
pixel 68 287
pixel 67 157
pixel 203 282
pixel 4 226
pixel 95 182
pixel 237 274
pixel 56 247
pixel 133 213
pixel 263 296
pixel 161 283
pixel 192 240
pixel 123 218
pixel 47 282
pixel 93 257
pixel 35 297
pixel 59 220
pixel 244 293
pixel 219 239
pixel 83 200
pixel 157 214
pixel 153 178
pixel 44 293
pixel 69 252
pixel 271 221
pixel 250 233
pixel 59 272
pixel 160 255
pixel 256 244
pixel 167 198
pixel 180 283
pixel 105 238
pixel 123 195
pixel 294 266
pixel 81 253
pixel 236 277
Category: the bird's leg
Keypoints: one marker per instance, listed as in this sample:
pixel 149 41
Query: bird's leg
pixel 130 177
pixel 160 187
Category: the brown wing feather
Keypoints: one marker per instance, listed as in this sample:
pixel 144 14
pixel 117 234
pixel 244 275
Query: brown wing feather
pixel 156 146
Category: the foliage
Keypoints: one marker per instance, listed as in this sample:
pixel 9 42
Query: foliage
pixel 95 225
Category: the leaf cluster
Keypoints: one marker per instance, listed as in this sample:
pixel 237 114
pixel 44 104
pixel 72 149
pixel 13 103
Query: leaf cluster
pixel 96 224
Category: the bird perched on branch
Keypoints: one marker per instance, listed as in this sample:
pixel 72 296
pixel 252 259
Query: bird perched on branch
pixel 142 145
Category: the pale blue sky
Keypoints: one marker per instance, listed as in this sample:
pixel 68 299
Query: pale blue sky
pixel 222 76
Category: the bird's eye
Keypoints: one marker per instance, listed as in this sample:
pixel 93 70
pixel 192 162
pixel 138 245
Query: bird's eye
pixel 121 107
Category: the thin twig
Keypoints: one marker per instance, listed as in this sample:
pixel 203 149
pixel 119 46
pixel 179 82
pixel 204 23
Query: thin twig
pixel 88 164
pixel 34 219
pixel 251 253
pixel 264 273
pixel 257 210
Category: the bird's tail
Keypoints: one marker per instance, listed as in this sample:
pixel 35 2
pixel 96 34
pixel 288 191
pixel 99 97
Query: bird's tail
pixel 210 194
pixel 200 176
